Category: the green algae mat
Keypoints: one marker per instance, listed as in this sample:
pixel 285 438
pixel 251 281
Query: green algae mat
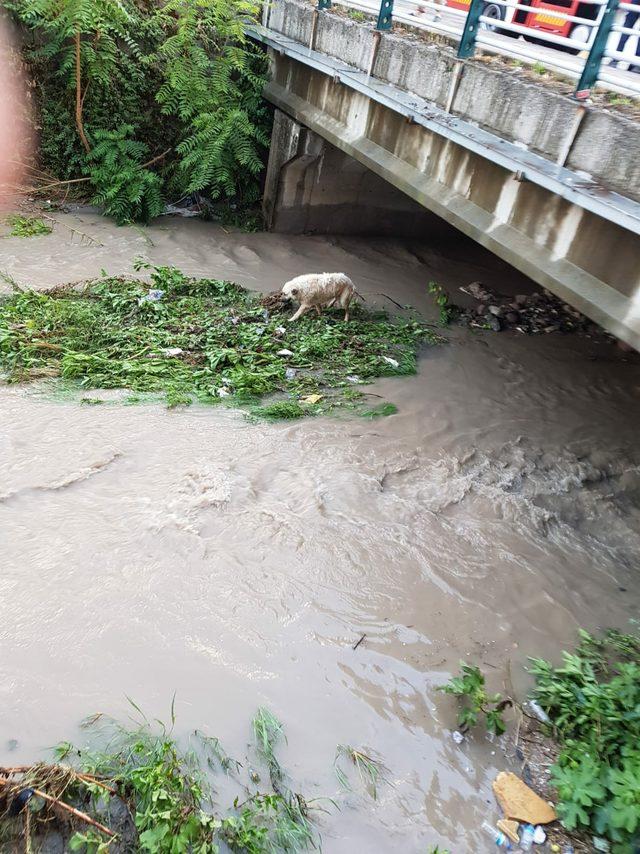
pixel 204 340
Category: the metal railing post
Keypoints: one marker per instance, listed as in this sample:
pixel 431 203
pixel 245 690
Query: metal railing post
pixel 467 46
pixel 324 4
pixel 591 70
pixel 385 15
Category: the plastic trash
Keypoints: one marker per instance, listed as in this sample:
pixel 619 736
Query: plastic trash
pixel 223 392
pixel 290 373
pixel 154 295
pixel 497 835
pixel 20 801
pixel 457 736
pixel 526 839
pixel 539 836
pixel 279 331
pixel 284 353
pixel 353 378
pixel 172 351
pixel 600 844
pixel 393 362
pixel 532 708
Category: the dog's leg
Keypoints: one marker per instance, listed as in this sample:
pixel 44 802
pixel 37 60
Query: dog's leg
pixel 302 310
pixel 345 301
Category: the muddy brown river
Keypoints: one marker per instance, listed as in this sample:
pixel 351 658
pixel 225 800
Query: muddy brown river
pixel 148 551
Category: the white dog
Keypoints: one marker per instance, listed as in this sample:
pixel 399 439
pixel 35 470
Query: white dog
pixel 320 290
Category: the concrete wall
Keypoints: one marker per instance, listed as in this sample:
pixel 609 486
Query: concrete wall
pixel 607 143
pixel 585 259
pixel 312 187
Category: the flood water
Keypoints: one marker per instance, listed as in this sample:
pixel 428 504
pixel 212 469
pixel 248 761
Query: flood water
pixel 147 551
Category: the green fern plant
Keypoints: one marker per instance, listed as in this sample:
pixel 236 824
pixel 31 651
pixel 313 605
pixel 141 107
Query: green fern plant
pixel 180 74
pixel 122 185
pixel 213 81
pixel 81 36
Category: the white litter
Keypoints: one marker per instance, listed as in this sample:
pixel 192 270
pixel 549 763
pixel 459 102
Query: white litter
pixel 392 362
pixel 172 351
pixel 152 296
pixel 285 353
pixel 539 836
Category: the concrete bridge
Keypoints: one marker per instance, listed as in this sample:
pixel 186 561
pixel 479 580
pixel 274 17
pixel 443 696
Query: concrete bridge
pixel 391 133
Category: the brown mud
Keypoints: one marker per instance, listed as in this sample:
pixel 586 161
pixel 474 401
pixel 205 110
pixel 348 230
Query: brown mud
pixel 148 551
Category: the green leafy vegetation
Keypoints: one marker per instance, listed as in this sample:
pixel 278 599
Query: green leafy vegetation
pixel 593 700
pixel 148 795
pixel 26 226
pixel 470 687
pixel 447 311
pixel 380 411
pixel 370 771
pixel 122 186
pixel 356 15
pixel 205 340
pixel 539 68
pixel 617 100
pixel 141 102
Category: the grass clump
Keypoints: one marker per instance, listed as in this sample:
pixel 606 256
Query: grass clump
pixel 285 410
pixel 470 687
pixel 381 411
pixel 593 700
pixel 201 339
pixel 371 771
pixel 142 793
pixel 26 226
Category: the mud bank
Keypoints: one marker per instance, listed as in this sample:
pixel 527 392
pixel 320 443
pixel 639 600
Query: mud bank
pixel 149 551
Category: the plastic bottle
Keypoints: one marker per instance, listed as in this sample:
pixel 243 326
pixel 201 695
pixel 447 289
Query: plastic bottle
pixel 497 835
pixel 526 839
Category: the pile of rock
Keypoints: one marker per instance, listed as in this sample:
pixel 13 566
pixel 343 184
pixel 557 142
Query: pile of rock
pixel 539 312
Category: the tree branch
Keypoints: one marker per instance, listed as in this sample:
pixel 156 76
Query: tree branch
pixel 79 99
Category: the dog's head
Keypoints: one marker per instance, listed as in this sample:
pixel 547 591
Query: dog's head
pixel 289 291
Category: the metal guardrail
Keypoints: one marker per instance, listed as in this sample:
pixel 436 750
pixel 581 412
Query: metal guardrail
pixel 602 30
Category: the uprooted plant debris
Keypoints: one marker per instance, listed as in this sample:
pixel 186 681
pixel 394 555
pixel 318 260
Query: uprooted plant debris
pixel 204 340
pixel 539 312
pixel 138 791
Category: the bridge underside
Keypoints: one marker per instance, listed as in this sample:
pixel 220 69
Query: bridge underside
pixel 584 258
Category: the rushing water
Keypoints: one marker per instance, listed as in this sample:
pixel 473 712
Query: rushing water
pixel 147 551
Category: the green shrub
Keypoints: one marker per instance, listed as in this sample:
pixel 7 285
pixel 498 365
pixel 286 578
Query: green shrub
pixel 593 700
pixel 470 686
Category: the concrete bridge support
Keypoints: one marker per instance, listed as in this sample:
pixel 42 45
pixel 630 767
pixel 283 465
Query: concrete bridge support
pixel 312 187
